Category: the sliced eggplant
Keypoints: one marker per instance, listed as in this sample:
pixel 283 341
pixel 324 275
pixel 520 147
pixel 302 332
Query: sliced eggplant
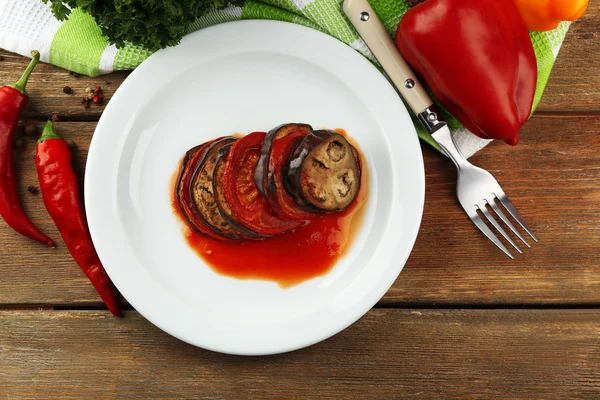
pixel 292 168
pixel 324 172
pixel 219 195
pixel 183 193
pixel 202 194
pixel 261 173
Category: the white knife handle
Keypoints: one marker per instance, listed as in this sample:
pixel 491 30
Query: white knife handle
pixel 379 41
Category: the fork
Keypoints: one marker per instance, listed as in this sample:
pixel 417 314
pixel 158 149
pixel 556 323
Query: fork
pixel 477 190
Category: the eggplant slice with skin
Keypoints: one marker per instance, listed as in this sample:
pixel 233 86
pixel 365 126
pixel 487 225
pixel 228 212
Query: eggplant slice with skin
pixel 202 194
pixel 219 196
pixel 324 172
pixel 183 194
pixel 261 173
pixel 291 169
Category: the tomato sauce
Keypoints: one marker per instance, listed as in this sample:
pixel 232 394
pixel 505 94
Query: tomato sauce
pixel 304 253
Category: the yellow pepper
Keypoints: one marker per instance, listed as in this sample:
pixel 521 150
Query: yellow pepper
pixel 545 15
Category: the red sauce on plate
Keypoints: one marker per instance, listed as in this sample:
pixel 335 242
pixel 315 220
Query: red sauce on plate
pixel 289 259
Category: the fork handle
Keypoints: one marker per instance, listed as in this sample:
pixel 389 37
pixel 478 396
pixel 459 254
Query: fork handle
pixel 370 28
pixel 372 31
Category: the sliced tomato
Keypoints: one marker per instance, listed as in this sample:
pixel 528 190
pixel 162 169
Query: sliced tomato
pixel 284 205
pixel 183 193
pixel 248 206
pixel 221 201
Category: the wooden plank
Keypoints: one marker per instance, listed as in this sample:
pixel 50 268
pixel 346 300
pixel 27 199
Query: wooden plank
pixel 45 88
pixel 552 177
pixel 389 354
pixel 31 272
pixel 574 85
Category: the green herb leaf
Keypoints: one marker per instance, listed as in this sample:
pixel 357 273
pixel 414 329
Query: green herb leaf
pixel 153 24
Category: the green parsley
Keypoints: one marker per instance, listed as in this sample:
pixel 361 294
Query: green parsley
pixel 153 24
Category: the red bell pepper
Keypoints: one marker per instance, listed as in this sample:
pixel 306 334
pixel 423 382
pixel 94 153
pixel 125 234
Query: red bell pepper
pixel 13 100
pixel 60 192
pixel 478 60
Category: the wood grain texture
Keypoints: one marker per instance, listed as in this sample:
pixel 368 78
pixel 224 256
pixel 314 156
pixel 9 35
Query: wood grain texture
pixel 389 354
pixel 37 274
pixel 574 84
pixel 46 84
pixel 552 177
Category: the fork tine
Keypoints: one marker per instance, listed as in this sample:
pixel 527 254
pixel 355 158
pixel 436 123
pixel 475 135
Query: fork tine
pixel 487 232
pixel 515 214
pixel 498 211
pixel 496 225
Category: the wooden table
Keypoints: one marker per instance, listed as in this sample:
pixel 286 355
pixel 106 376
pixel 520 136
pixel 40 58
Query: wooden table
pixel 462 320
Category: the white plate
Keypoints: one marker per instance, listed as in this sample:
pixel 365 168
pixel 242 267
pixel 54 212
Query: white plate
pixel 242 77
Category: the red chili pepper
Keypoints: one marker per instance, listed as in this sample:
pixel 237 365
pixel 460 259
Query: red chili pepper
pixel 60 192
pixel 477 58
pixel 13 100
